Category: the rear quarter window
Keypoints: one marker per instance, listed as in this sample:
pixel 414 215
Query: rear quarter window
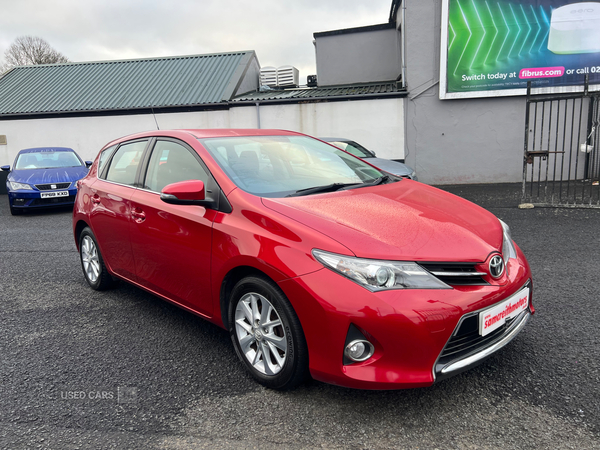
pixel 125 162
pixel 104 156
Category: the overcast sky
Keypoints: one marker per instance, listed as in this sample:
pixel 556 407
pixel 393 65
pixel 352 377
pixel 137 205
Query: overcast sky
pixel 280 31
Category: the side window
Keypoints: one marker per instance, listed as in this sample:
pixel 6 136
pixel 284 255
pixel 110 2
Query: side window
pixel 172 162
pixel 124 164
pixel 103 158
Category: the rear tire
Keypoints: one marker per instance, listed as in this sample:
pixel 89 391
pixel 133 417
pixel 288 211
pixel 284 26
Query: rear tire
pixel 266 334
pixel 94 270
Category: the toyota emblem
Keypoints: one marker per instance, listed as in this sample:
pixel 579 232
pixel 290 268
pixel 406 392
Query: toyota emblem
pixel 496 266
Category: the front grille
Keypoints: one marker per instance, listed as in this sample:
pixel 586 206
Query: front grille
pixel 456 274
pixel 467 339
pixel 49 187
pixel 466 347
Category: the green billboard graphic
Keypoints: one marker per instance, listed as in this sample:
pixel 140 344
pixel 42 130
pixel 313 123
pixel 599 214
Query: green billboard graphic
pixel 501 45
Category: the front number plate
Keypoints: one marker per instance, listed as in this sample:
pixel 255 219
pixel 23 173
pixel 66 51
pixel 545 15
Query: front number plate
pixel 496 316
pixel 54 194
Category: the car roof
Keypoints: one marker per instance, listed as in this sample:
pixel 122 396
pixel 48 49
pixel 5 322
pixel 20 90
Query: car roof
pixel 239 132
pixel 334 139
pixel 47 149
pixel 207 133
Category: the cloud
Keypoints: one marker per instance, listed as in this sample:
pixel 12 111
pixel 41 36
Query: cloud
pixel 92 30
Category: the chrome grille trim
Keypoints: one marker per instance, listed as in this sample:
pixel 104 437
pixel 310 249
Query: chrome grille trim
pixel 455 273
pixel 48 186
pixel 458 274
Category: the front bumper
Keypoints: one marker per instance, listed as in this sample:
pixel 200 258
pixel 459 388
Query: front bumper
pixel 480 353
pixel 408 328
pixel 25 199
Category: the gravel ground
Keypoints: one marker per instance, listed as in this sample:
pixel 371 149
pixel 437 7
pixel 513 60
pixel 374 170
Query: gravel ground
pixel 165 379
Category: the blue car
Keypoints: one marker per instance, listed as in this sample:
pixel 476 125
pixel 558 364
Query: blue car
pixel 44 177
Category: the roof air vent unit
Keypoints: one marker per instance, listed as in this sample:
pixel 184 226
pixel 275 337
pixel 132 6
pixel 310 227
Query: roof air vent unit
pixel 284 76
pixel 268 76
pixel 287 76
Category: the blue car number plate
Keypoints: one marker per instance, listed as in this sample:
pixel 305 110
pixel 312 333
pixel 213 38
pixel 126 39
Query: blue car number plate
pixel 54 194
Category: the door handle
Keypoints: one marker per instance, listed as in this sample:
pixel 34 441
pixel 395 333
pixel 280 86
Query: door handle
pixel 138 215
pixel 95 199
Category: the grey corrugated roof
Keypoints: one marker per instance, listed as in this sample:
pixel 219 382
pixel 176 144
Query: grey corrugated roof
pixel 123 85
pixel 325 92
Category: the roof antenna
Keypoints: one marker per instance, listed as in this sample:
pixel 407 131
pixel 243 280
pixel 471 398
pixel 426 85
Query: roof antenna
pixel 153 115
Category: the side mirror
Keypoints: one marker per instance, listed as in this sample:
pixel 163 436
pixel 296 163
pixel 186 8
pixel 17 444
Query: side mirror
pixel 88 164
pixel 372 152
pixel 189 192
pixel 5 168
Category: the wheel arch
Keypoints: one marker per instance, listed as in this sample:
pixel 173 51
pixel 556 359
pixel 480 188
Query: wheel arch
pixel 79 227
pixel 229 281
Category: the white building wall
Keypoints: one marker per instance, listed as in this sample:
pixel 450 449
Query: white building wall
pixel 87 135
pixel 376 124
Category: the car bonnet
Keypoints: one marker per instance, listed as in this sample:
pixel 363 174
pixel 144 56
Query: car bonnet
pixel 397 168
pixel 45 176
pixel 398 221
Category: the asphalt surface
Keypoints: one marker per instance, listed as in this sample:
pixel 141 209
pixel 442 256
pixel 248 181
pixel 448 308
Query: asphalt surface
pixel 162 378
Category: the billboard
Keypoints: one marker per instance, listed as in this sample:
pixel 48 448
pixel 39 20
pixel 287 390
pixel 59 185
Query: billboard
pixel 493 48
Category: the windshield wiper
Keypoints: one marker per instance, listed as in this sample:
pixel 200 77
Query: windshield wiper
pixel 375 182
pixel 339 187
pixel 327 188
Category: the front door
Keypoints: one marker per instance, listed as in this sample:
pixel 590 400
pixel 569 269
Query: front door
pixel 171 243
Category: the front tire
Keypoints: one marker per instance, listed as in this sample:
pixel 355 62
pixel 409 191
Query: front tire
pixel 267 334
pixel 94 270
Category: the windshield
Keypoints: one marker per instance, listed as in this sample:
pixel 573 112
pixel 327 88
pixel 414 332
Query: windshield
pixel 47 160
pixel 276 166
pixel 353 148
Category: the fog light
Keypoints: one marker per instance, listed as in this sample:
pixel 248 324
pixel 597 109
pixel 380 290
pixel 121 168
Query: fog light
pixel 359 350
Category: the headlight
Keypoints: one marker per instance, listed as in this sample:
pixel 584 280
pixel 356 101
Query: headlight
pixel 380 275
pixel 16 186
pixel 508 246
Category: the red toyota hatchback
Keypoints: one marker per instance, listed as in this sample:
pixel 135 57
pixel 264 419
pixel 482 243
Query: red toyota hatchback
pixel 315 261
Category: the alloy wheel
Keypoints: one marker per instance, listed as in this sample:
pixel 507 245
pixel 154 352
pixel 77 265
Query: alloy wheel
pixel 90 259
pixel 260 333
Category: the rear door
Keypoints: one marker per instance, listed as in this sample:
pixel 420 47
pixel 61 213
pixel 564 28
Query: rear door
pixel 171 244
pixel 110 209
